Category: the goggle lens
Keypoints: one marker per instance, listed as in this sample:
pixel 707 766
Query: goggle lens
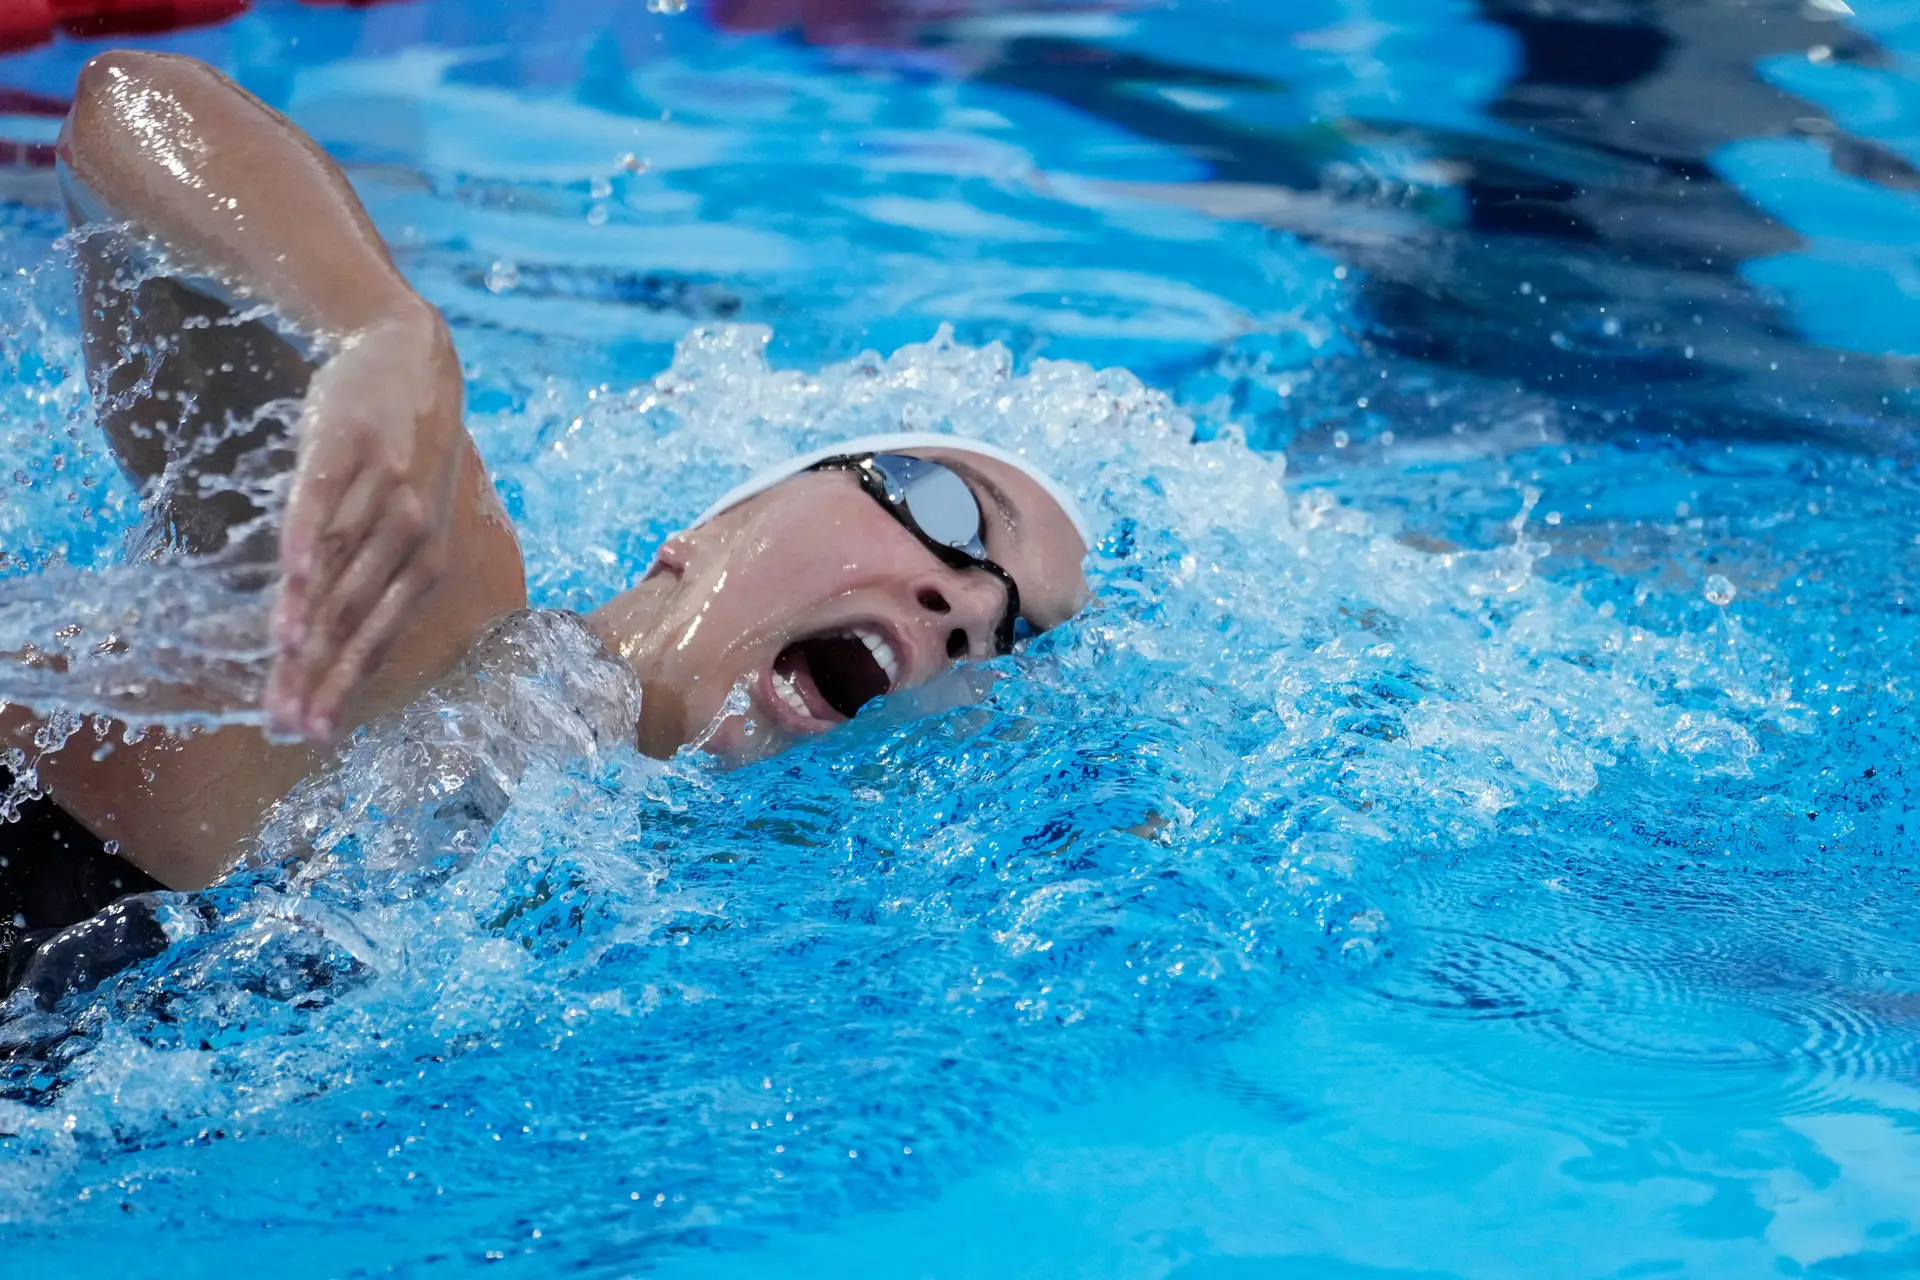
pixel 938 505
pixel 944 508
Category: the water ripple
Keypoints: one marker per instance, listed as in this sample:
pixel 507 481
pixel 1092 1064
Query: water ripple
pixel 1661 1027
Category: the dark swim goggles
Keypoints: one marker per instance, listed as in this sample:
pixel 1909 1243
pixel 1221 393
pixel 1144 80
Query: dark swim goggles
pixel 938 507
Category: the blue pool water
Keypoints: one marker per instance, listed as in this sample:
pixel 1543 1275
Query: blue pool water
pixel 1499 422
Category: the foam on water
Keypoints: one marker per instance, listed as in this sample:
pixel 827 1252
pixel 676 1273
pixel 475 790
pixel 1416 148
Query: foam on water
pixel 102 618
pixel 1478 840
pixel 699 1007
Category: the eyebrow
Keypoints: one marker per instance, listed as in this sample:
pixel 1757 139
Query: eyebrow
pixel 1009 514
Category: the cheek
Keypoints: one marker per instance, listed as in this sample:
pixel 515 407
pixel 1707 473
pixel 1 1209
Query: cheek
pixel 787 574
pixel 811 558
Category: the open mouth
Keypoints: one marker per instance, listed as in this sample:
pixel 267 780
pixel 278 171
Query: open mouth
pixel 830 677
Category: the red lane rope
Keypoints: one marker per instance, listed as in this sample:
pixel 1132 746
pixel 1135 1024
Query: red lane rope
pixel 19 102
pixel 26 23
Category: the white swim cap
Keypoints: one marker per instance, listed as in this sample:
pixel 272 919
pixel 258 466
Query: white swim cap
pixel 901 442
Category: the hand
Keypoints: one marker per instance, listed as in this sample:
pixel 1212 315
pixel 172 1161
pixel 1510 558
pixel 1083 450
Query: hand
pixel 367 518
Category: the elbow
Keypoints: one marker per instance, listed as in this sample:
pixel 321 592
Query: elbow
pixel 103 71
pixel 100 97
pixel 112 90
pixel 93 101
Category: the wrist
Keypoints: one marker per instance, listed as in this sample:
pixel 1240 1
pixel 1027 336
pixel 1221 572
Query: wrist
pixel 410 329
pixel 410 336
pixel 401 314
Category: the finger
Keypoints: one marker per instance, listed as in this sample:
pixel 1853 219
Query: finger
pixel 329 553
pixel 320 480
pixel 349 598
pixel 399 548
pixel 282 700
pixel 362 508
pixel 335 617
pixel 366 649
pixel 327 463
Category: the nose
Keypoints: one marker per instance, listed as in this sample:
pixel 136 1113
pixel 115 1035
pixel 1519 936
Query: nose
pixel 967 605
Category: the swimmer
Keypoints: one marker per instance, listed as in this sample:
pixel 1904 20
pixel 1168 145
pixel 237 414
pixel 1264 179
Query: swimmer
pixel 841 576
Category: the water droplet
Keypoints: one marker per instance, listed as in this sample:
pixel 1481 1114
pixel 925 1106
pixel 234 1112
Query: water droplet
pixel 1720 591
pixel 666 6
pixel 502 276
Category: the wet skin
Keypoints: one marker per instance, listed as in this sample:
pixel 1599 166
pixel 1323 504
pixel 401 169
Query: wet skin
pixel 814 557
pixel 395 553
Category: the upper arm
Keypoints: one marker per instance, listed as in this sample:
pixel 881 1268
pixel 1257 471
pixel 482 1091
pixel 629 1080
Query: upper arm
pixel 253 204
pixel 232 189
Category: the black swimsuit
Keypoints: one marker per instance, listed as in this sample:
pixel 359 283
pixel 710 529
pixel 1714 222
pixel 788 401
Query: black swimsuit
pixel 56 875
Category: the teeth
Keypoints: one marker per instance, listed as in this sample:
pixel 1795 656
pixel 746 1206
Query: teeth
pixel 882 653
pixel 784 686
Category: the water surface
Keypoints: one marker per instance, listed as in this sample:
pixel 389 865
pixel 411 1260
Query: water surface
pixel 1498 421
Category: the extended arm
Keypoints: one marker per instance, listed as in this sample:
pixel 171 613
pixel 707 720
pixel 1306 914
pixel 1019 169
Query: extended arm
pixel 388 495
pixel 233 193
pixel 232 190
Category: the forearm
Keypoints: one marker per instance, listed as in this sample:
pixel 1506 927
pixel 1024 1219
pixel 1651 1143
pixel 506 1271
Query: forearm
pixel 387 496
pixel 232 190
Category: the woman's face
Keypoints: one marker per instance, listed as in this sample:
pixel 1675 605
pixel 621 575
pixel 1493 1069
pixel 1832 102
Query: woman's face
pixel 812 599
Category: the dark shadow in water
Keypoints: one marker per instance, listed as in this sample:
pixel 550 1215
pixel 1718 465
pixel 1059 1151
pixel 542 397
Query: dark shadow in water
pixel 1585 248
pixel 1597 256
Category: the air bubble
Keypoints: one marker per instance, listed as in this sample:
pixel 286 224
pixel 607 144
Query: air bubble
pixel 503 276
